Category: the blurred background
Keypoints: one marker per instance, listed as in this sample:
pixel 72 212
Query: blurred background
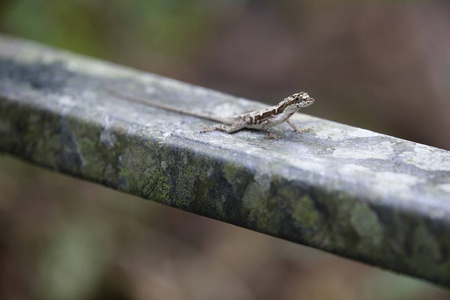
pixel 380 65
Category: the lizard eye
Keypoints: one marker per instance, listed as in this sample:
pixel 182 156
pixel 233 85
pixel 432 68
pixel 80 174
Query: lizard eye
pixel 304 95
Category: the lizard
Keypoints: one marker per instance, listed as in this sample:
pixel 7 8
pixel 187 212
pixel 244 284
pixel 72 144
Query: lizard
pixel 258 119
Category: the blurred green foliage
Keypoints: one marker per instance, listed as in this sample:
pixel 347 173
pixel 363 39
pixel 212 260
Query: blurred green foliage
pixel 91 26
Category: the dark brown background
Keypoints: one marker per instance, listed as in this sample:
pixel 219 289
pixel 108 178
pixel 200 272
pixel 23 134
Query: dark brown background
pixel 380 65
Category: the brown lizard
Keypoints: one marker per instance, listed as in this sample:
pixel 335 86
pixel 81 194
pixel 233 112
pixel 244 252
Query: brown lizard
pixel 259 119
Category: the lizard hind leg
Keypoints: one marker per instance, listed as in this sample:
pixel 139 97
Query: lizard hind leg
pixel 271 135
pixel 226 128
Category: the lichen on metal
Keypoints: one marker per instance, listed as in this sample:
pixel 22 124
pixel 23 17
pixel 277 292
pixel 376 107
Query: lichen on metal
pixel 349 191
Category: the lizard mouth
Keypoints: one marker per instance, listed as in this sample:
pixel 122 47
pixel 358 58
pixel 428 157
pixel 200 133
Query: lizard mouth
pixel 308 102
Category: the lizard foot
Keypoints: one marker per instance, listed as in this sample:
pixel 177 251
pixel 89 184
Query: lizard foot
pixel 211 128
pixel 207 129
pixel 274 136
pixel 303 130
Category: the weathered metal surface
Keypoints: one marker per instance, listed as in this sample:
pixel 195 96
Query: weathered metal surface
pixel 349 191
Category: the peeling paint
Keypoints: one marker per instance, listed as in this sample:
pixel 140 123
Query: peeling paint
pixel 427 158
pixel 366 224
pixel 305 213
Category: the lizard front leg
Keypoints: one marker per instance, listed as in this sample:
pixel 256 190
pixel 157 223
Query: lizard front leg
pixel 296 128
pixel 227 128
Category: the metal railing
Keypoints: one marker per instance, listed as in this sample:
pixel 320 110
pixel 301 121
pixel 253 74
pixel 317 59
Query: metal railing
pixel 345 190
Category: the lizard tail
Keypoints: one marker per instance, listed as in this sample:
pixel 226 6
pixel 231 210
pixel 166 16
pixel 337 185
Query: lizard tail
pixel 145 101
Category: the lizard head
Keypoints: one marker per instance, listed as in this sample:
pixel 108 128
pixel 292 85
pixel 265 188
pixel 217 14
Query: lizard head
pixel 300 100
